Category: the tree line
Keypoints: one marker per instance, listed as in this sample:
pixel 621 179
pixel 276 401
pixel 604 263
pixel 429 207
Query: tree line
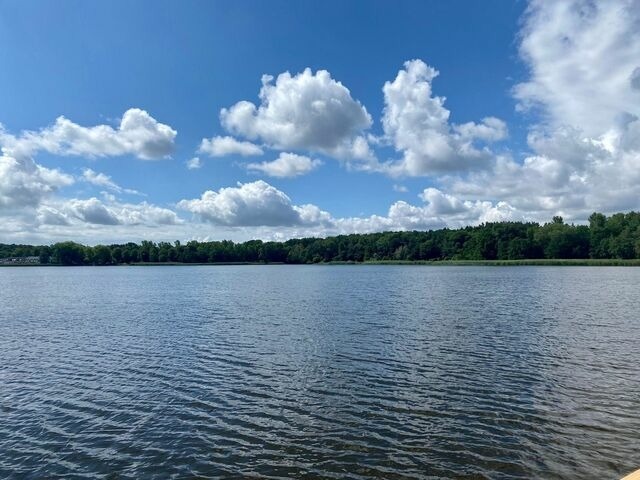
pixel 605 237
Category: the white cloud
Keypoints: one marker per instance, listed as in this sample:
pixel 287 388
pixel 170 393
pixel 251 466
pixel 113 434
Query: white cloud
pixel 92 221
pixel 439 210
pixel 91 210
pixel 441 203
pixel 567 175
pixel 583 60
pixel 585 151
pixel 28 200
pixel 50 216
pixel 311 215
pixel 194 163
pixel 287 165
pixel 463 212
pixel 223 146
pixel 252 210
pixel 400 188
pixel 248 204
pixel 103 180
pixel 417 124
pixel 491 129
pixel 259 204
pixel 304 111
pixel 138 134
pixel 357 153
pixel 145 214
pixel 78 212
pixel 24 183
pixel 99 179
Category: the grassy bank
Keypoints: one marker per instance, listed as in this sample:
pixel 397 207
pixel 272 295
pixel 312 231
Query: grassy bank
pixel 605 262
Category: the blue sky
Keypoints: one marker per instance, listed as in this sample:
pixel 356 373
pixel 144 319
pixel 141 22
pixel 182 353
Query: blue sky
pixel 183 62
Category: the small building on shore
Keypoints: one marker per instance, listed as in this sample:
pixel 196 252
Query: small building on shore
pixel 20 260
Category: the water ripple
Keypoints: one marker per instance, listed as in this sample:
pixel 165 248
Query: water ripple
pixel 319 372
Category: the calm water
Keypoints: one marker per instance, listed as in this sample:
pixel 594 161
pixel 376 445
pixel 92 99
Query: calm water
pixel 319 372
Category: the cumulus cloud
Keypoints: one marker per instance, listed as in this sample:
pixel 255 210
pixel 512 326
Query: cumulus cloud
pixel 309 111
pixel 417 124
pixel 490 129
pixel 249 204
pixel 78 212
pixel 51 216
pixel 438 210
pixel 568 175
pixel 287 165
pixel 92 211
pixel 223 146
pixel 252 210
pixel 24 183
pixel 138 134
pixel 194 163
pixel 583 60
pixel 259 204
pixel 28 190
pixel 145 214
pixel 585 149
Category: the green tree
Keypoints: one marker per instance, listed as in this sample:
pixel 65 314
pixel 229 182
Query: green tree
pixel 101 255
pixel 45 255
pixel 68 253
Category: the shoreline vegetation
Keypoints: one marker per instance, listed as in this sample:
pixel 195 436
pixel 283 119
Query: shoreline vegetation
pixel 544 262
pixel 606 241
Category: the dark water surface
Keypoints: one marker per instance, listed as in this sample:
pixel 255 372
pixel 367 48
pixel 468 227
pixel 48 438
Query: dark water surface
pixel 319 372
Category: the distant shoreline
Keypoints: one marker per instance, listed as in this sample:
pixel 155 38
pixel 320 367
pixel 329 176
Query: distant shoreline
pixel 606 241
pixel 435 263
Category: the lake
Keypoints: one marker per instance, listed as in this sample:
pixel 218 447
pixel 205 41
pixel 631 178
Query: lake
pixel 351 372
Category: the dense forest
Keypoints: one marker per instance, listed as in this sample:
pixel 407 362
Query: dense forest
pixel 613 237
